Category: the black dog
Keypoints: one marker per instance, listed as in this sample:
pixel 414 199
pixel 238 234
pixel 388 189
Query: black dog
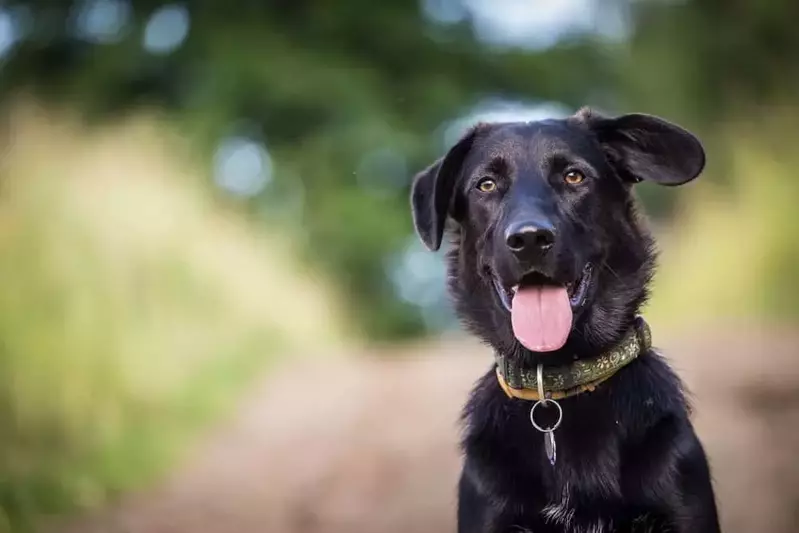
pixel 549 265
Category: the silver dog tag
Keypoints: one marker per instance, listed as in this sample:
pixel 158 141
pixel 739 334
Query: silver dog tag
pixel 549 432
pixel 549 445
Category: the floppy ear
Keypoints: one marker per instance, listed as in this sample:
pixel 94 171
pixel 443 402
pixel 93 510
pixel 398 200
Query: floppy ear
pixel 432 190
pixel 645 147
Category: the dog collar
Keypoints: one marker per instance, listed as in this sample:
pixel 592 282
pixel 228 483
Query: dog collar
pixel 580 376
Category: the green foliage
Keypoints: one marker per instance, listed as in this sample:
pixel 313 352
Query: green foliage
pixel 698 60
pixel 323 87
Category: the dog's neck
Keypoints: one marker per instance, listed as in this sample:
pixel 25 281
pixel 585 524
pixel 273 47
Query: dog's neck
pixel 520 381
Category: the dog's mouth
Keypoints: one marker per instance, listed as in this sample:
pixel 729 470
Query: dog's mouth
pixel 542 309
pixel 577 290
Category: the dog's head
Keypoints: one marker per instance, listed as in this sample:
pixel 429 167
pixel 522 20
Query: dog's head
pixel 549 254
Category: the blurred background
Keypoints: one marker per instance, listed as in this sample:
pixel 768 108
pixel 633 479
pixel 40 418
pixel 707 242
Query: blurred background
pixel 215 315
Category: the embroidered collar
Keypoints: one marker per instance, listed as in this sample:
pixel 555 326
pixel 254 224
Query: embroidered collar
pixel 580 376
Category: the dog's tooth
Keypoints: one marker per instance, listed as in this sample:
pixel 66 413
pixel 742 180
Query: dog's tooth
pixel 514 289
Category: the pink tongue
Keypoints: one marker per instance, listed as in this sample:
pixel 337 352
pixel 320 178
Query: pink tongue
pixel 541 317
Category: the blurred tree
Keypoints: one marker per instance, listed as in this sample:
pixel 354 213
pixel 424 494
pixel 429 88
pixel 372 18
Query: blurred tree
pixel 321 86
pixel 325 89
pixel 700 59
pixel 705 62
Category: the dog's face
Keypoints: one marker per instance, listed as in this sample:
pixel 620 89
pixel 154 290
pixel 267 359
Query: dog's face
pixel 550 255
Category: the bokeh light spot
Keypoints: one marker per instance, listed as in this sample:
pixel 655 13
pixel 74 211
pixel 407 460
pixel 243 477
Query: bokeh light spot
pixel 166 29
pixel 419 277
pixel 8 32
pixel 444 11
pixel 102 21
pixel 242 166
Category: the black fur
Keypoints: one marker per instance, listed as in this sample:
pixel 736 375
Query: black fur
pixel 628 457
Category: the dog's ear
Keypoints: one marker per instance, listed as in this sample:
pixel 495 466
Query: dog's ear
pixel 433 188
pixel 645 147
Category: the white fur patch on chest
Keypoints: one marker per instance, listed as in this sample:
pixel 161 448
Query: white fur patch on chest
pixel 563 514
pixel 559 513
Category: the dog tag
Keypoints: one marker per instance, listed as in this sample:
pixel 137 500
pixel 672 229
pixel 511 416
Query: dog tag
pixel 549 432
pixel 549 445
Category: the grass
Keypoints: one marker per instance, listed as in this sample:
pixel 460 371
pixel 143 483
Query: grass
pixel 133 310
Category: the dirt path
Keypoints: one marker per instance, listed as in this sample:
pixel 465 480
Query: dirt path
pixel 377 451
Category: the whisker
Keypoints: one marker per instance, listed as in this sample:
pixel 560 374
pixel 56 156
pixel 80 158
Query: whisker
pixel 607 266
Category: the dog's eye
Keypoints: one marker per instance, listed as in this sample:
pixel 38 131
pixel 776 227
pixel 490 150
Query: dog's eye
pixel 487 185
pixel 573 177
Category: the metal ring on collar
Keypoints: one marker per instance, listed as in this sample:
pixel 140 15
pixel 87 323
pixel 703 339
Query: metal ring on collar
pixel 557 422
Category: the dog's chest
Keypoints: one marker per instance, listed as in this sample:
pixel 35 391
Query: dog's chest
pixel 564 517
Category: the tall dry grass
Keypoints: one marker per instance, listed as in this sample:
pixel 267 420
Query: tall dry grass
pixel 133 308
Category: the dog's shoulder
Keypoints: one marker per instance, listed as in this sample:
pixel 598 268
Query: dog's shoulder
pixel 650 390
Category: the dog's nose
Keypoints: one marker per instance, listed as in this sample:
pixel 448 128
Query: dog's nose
pixel 525 239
